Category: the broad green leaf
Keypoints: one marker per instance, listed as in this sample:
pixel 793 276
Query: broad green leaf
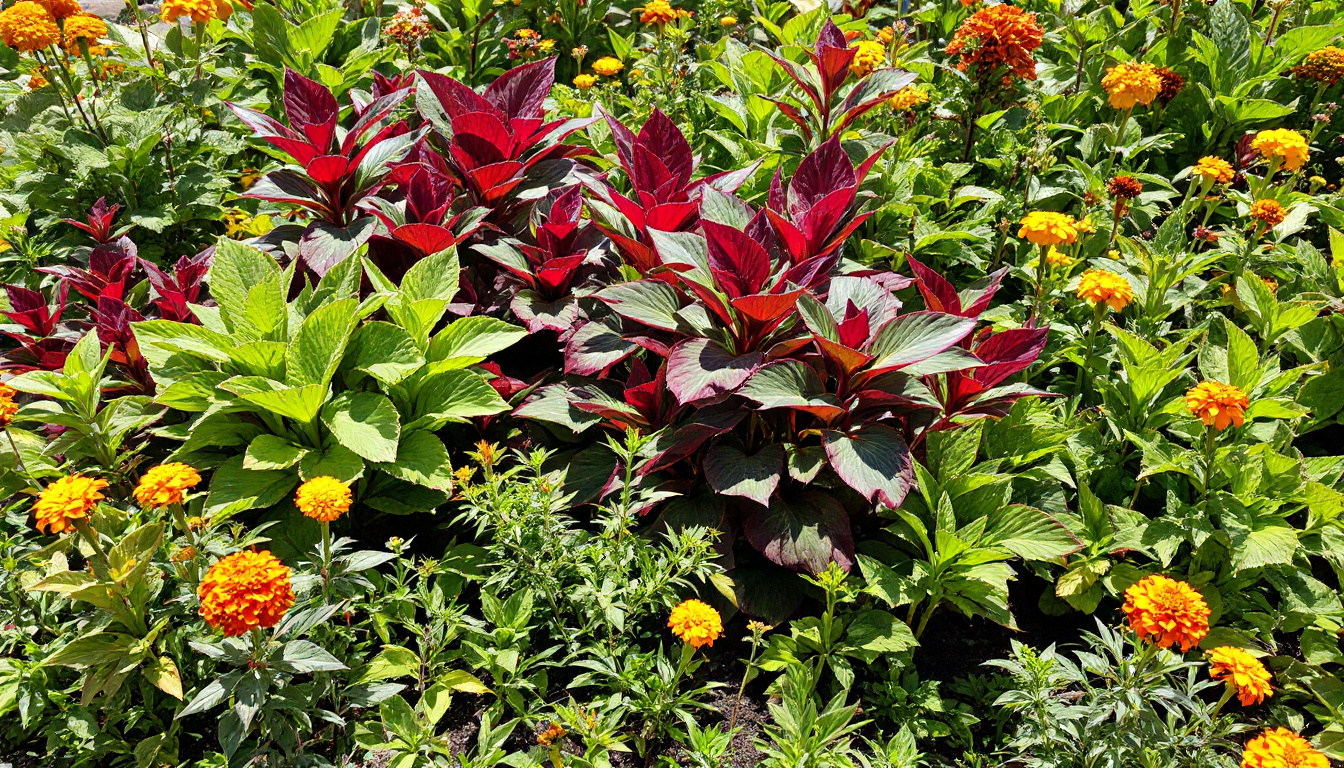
pixel 917 336
pixel 234 489
pixel 385 352
pixel 1029 533
pixel 422 459
pixel 316 349
pixel 366 423
pixel 272 452
pixel 874 461
pixel 731 472
pixel 474 337
pixel 453 395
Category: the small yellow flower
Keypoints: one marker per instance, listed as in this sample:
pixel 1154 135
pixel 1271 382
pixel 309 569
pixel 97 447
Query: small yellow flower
pixel 1215 169
pixel 607 66
pixel 1101 287
pixel 323 499
pixel 1048 228
pixel 1218 405
pixel 1289 146
pixel 1244 674
pixel 1129 83
pixel 728 21
pixel 868 56
pixel 909 97
pixel 1085 226
pixel 165 485
pixel 696 623
pixel 1323 66
pixel 585 81
pixel 1057 258
pixel 69 499
pixel 199 11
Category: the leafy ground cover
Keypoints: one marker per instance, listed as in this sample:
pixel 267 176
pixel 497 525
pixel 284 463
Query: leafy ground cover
pixel 578 383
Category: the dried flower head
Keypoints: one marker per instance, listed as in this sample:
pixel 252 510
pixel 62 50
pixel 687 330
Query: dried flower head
pixel 323 499
pixel 1048 228
pixel 1281 748
pixel 1098 286
pixel 1218 405
pixel 27 26
pixel 1243 673
pixel 1285 144
pixel 1172 84
pixel 1168 611
pixel 1323 66
pixel 998 36
pixel 244 591
pixel 1124 187
pixel 695 623
pixel 67 500
pixel 1268 212
pixel 1130 83
pixel 165 485
pixel 868 56
pixel 1215 169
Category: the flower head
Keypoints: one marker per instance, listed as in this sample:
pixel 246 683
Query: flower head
pixel 1057 258
pixel 1242 672
pixel 1268 212
pixel 1124 187
pixel 1281 748
pixel 7 405
pixel 62 9
pixel 607 66
pixel 1048 228
pixel 199 11
pixel 165 485
pixel 1289 146
pixel 86 27
pixel 323 499
pixel 245 590
pixel 1218 405
pixel 410 27
pixel 1168 611
pixel 69 499
pixel 547 737
pixel 27 26
pixel 1101 287
pixel 658 12
pixel 1215 169
pixel 727 21
pixel 998 36
pixel 584 81
pixel 696 623
pixel 1172 84
pixel 1130 83
pixel 909 97
pixel 1323 66
pixel 868 56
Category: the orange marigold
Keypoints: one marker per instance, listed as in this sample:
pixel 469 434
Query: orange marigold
pixel 584 81
pixel 7 405
pixel 62 9
pixel 1243 673
pixel 27 26
pixel 1101 287
pixel 67 500
pixel 1048 228
pixel 868 56
pixel 323 499
pixel 1168 611
pixel 86 27
pixel 1215 169
pixel 909 97
pixel 245 590
pixel 1323 66
pixel 199 11
pixel 166 484
pixel 1217 404
pixel 696 623
pixel 1281 748
pixel 1124 187
pixel 1130 83
pixel 658 12
pixel 1269 212
pixel 998 36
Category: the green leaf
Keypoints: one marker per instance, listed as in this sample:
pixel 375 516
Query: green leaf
pixel 301 404
pixel 435 277
pixel 422 459
pixel 392 662
pixel 302 656
pixel 731 472
pixel 317 347
pixel 234 272
pixel 875 633
pixel 1029 533
pixel 453 395
pixel 474 337
pixel 917 336
pixel 434 703
pixel 366 423
pixel 874 461
pixel 162 674
pixel 334 461
pixel 385 352
pixel 272 452
pixel 651 302
pixel 234 489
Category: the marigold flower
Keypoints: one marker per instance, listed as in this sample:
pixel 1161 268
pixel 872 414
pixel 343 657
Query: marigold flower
pixel 1085 226
pixel 1243 673
pixel 1057 258
pixel 868 56
pixel 7 405
pixel 1130 83
pixel 244 591
pixel 1172 84
pixel 553 731
pixel 909 97
pixel 658 12
pixel 62 9
pixel 36 81
pixel 69 499
pixel 1168 611
pixel 1289 146
pixel 607 66
pixel 1101 287
pixel 585 81
pixel 199 11
pixel 1269 212
pixel 1215 169
pixel 323 499
pixel 1048 228
pixel 696 623
pixel 1216 404
pixel 27 26
pixel 1124 187
pixel 165 485
pixel 728 21
pixel 886 35
pixel 86 27
pixel 184 554
pixel 1281 748
pixel 1323 66
pixel 998 36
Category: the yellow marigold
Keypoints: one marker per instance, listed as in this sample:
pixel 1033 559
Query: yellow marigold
pixel 607 66
pixel 1289 146
pixel 1168 611
pixel 62 9
pixel 527 34
pixel 1057 258
pixel 1281 748
pixel 868 56
pixel 199 11
pixel 36 81
pixel 1001 35
pixel 184 554
pixel 585 81
pixel 696 623
pixel 909 97
pixel 546 46
pixel 67 500
pixel 1048 228
pixel 728 21
pixel 1085 226
pixel 1269 212
pixel 26 26
pixel 245 590
pixel 86 27
pixel 323 498
pixel 7 405
pixel 166 484
pixel 1130 83
pixel 658 12
pixel 1243 673
pixel 1215 169
pixel 1099 286
pixel 1323 66
pixel 1217 404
